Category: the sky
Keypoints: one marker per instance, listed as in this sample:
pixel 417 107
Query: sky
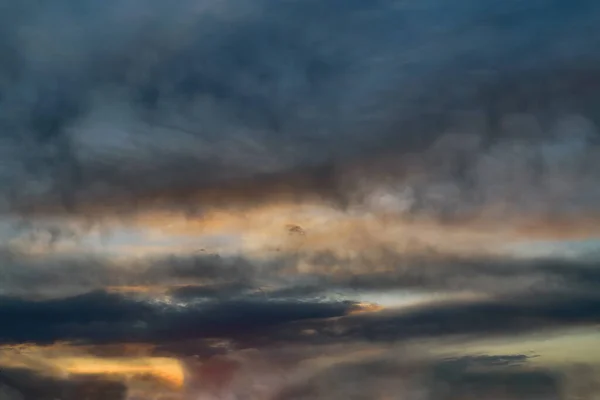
pixel 299 199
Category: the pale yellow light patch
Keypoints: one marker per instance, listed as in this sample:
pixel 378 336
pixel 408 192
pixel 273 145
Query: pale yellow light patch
pixel 556 348
pixel 63 361
pixel 166 369
pixel 409 300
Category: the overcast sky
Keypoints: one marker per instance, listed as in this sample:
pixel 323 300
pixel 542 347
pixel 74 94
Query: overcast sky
pixel 300 199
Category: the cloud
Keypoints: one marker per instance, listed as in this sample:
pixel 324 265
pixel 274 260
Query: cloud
pixel 113 103
pixel 465 378
pixel 244 314
pixel 112 318
pixel 22 383
pixel 412 145
pixel 380 377
pixel 302 274
pixel 508 360
pixel 386 377
pixel 460 318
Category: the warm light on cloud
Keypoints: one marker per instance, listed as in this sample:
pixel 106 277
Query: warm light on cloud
pixel 365 308
pixel 168 370
pixel 64 360
pixel 266 230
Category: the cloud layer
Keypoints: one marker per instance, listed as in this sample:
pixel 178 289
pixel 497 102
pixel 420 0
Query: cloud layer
pixel 297 199
pixel 127 100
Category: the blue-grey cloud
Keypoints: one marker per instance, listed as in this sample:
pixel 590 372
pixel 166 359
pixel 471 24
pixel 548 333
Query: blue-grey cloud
pixel 101 317
pixel 446 109
pixel 256 318
pixel 115 100
pixel 489 317
pixel 206 275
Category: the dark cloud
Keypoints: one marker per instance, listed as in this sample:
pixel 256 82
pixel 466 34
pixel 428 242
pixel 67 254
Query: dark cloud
pixel 55 276
pixel 104 317
pixel 23 384
pixel 492 275
pixel 391 270
pixel 213 276
pixel 253 303
pixel 461 363
pixel 451 111
pixel 99 314
pixel 252 317
pixel 226 290
pixel 472 318
pixel 119 101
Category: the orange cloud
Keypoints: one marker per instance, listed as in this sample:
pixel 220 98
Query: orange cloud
pixel 360 308
pixel 167 370
pixel 127 362
pixel 265 229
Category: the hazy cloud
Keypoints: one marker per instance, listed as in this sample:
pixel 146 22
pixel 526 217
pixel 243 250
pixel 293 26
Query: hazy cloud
pixel 379 113
pixel 122 100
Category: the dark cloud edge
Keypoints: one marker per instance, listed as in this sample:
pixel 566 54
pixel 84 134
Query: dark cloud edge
pixel 109 318
pixel 101 317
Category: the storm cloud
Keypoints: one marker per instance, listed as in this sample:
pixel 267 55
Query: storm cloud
pixel 126 100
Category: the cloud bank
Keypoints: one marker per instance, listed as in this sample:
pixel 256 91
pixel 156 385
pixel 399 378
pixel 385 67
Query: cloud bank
pixel 130 100
pixel 296 199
